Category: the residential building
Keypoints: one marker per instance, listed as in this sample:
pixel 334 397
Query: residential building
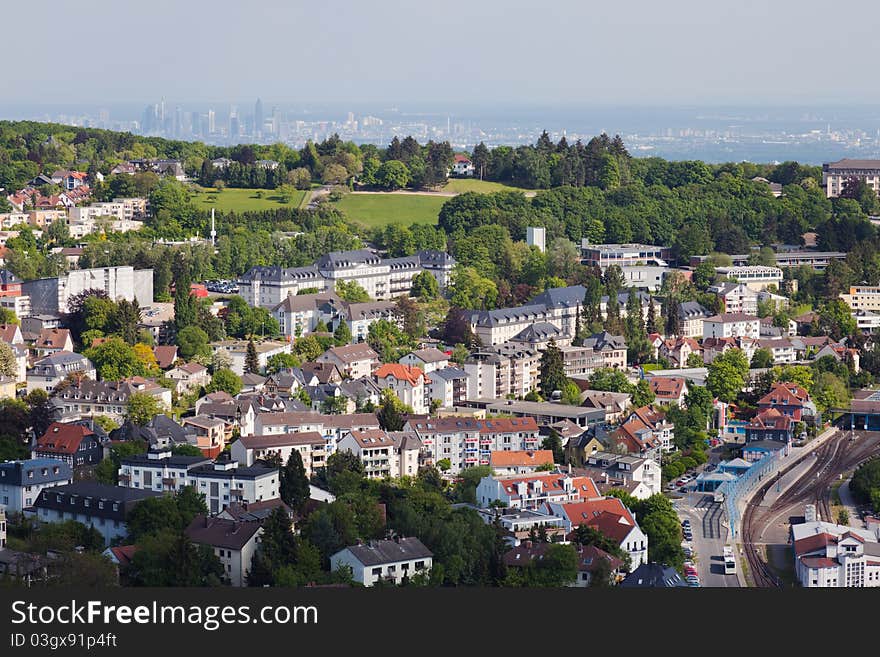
pixel 234 543
pixel 534 491
pixel 158 470
pixel 382 278
pixel 612 403
pixel 354 360
pixel 678 350
pixel 383 454
pixel 210 433
pixel 645 432
pixel 736 297
pixel 106 508
pixel 87 398
pixel 75 444
pixel 189 377
pixel 48 372
pixel 409 384
pixel 467 442
pixel 581 361
pixel 22 481
pixel 669 390
pixel 612 348
pixel 299 314
pixel 332 427
pixel 448 386
pixel 732 325
pixel 835 556
pixel 236 350
pixel 501 371
pixel 756 277
pixel 639 476
pixel 428 360
pixel 462 166
pixel 390 560
pixel 51 295
pixel 611 518
pixel 691 316
pixel 836 174
pixel 589 560
pixel 792 400
pixel 537 236
pixel 863 297
pixel 644 277
pixel 311 445
pixel 605 255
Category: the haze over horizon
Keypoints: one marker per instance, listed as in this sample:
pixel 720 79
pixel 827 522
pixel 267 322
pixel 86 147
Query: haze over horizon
pixel 568 54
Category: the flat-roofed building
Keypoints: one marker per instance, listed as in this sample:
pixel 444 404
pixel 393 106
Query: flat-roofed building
pixel 836 174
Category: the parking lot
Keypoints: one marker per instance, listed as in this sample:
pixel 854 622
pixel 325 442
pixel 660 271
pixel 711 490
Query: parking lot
pixel 222 286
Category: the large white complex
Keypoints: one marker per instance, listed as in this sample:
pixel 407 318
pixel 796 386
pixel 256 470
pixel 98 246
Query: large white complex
pixel 382 278
pixel 835 174
pixel 756 277
pixel 836 556
pixel 50 296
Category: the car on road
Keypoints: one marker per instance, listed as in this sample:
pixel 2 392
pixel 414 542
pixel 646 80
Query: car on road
pixel 686 522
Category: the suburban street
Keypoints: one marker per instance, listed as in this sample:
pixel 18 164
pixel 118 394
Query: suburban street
pixel 710 536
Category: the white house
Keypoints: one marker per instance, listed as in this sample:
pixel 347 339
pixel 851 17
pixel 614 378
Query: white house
pixel 382 453
pixel 390 560
pixel 408 383
pixel 732 325
pixel 836 556
pixel 189 377
pixel 22 481
pixel 354 360
pixel 427 360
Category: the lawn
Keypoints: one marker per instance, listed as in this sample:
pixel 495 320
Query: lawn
pixel 462 185
pixel 242 200
pixel 384 209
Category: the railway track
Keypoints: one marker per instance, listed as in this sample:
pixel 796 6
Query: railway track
pixel 837 455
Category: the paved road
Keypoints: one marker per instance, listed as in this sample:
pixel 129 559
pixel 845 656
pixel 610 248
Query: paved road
pixel 710 536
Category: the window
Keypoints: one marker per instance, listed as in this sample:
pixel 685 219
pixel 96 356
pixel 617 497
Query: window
pixel 377 572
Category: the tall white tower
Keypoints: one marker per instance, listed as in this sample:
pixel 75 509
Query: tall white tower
pixel 213 232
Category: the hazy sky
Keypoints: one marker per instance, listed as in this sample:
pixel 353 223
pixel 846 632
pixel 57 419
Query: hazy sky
pixel 550 52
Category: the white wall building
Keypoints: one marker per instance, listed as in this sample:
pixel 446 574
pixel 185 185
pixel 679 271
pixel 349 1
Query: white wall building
pixel 392 560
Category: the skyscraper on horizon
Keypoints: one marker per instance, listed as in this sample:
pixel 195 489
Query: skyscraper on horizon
pixel 212 127
pixel 258 118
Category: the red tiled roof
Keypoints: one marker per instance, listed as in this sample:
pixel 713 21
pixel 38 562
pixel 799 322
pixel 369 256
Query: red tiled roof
pixel 664 387
pixel 400 372
pixel 814 543
pixel 165 355
pixel 819 562
pixel 124 553
pixel 770 418
pixel 62 438
pixel 552 484
pixel 785 394
pixel 55 338
pixel 500 459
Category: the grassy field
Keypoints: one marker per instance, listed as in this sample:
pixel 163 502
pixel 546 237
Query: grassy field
pixel 242 200
pixel 385 209
pixel 462 185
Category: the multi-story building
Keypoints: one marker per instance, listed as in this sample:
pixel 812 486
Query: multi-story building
pixel 379 452
pixel 22 481
pixel 354 360
pixel 299 314
pixel 88 398
pixel 467 442
pixel 332 427
pixel 311 445
pixel 836 174
pixel 534 491
pixel 645 277
pixel 51 295
pixel 502 371
pixel 612 349
pixel 756 277
pixel 691 316
pixel 732 325
pixel 448 386
pixel 581 361
pixel 382 278
pixel 409 384
pixel 863 297
pixel 75 444
pixel 516 462
pixel 737 298
pixel 48 372
pixel 221 482
pixel 428 360
pixel 106 508
pixel 611 518
pixel 234 543
pixel 836 556
pixel 639 476
pixel 605 255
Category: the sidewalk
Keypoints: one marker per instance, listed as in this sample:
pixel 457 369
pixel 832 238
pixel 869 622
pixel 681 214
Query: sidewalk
pixel 846 499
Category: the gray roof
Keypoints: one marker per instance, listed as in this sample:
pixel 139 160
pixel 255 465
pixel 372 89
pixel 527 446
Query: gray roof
pixel 561 297
pixel 382 552
pixel 537 332
pixel 653 575
pixel 692 309
pixel 507 315
pixel 45 470
pixel 604 340
pixel 222 533
pixel 347 258
pixel 73 497
pixel 449 373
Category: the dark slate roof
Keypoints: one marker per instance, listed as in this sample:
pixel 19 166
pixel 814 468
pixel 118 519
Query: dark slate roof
pixel 623 297
pixel 221 533
pixel 173 460
pixel 93 493
pixel 537 332
pixel 279 274
pixel 506 315
pixel 381 552
pixel 252 472
pixel 561 297
pixel 691 309
pixel 431 258
pixel 347 258
pixel 653 575
pixel 599 341
pixel 449 373
pixel 15 473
